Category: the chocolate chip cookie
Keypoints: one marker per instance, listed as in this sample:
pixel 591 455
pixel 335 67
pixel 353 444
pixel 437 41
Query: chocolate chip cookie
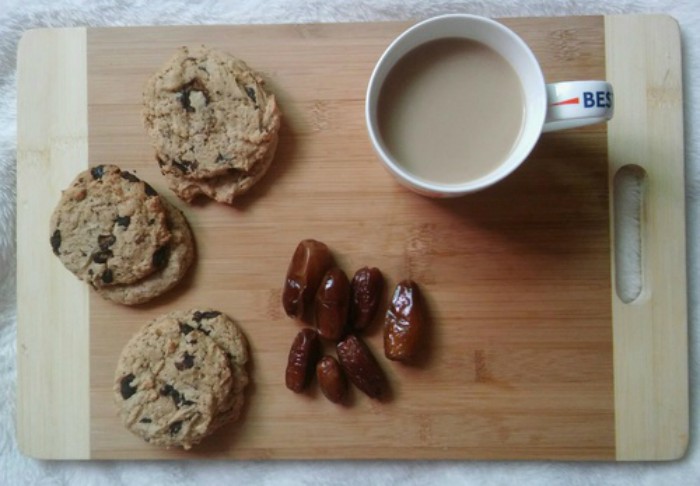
pixel 224 331
pixel 210 116
pixel 223 188
pixel 179 256
pixel 110 227
pixel 170 383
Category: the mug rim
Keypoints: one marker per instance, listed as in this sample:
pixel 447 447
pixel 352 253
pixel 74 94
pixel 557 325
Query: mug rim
pixel 535 121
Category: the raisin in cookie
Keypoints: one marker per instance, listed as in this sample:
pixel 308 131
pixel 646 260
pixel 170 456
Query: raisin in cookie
pixel 179 257
pixel 209 116
pixel 224 331
pixel 170 384
pixel 110 227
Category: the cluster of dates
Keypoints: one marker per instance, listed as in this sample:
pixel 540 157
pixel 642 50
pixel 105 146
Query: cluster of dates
pixel 317 290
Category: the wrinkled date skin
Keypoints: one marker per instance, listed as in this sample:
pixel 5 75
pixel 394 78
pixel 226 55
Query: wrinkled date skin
pixel 404 323
pixel 332 303
pixel 361 366
pixel 309 263
pixel 303 356
pixel 366 292
pixel 331 379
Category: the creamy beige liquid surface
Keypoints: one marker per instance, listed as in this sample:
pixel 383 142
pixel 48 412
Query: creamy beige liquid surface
pixel 451 110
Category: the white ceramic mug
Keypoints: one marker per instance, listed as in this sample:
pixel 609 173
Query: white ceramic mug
pixel 547 107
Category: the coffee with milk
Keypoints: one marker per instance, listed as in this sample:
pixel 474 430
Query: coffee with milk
pixel 451 110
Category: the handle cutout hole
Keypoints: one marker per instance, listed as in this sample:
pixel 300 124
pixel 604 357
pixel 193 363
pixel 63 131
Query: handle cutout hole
pixel 629 186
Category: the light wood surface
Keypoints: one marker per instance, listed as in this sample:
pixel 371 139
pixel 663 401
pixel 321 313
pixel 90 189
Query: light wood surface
pixel 650 334
pixel 53 410
pixel 519 360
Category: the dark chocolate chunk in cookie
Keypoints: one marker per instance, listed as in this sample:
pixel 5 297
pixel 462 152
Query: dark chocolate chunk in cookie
pixel 150 192
pixel 185 328
pixel 175 427
pixel 126 390
pixel 123 221
pixel 97 172
pixel 186 363
pixel 56 241
pixel 102 256
pixel 195 86
pixel 130 177
pixel 197 316
pixel 184 166
pixel 251 93
pixel 160 257
pixel 105 241
pixel 107 276
pixel 178 399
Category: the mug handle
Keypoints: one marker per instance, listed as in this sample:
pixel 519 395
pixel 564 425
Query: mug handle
pixel 572 104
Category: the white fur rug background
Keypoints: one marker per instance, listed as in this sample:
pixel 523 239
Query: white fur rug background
pixel 16 16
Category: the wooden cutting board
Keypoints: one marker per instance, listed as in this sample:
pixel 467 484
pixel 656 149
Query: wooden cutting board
pixel 531 353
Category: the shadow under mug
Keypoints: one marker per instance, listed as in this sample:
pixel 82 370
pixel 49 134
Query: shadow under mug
pixel 547 107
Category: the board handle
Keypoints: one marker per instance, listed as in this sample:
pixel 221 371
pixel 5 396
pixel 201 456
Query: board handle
pixel 650 332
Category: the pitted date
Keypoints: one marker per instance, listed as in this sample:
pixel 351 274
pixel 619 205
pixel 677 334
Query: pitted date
pixel 332 303
pixel 361 366
pixel 309 263
pixel 331 379
pixel 366 293
pixel 404 323
pixel 301 363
